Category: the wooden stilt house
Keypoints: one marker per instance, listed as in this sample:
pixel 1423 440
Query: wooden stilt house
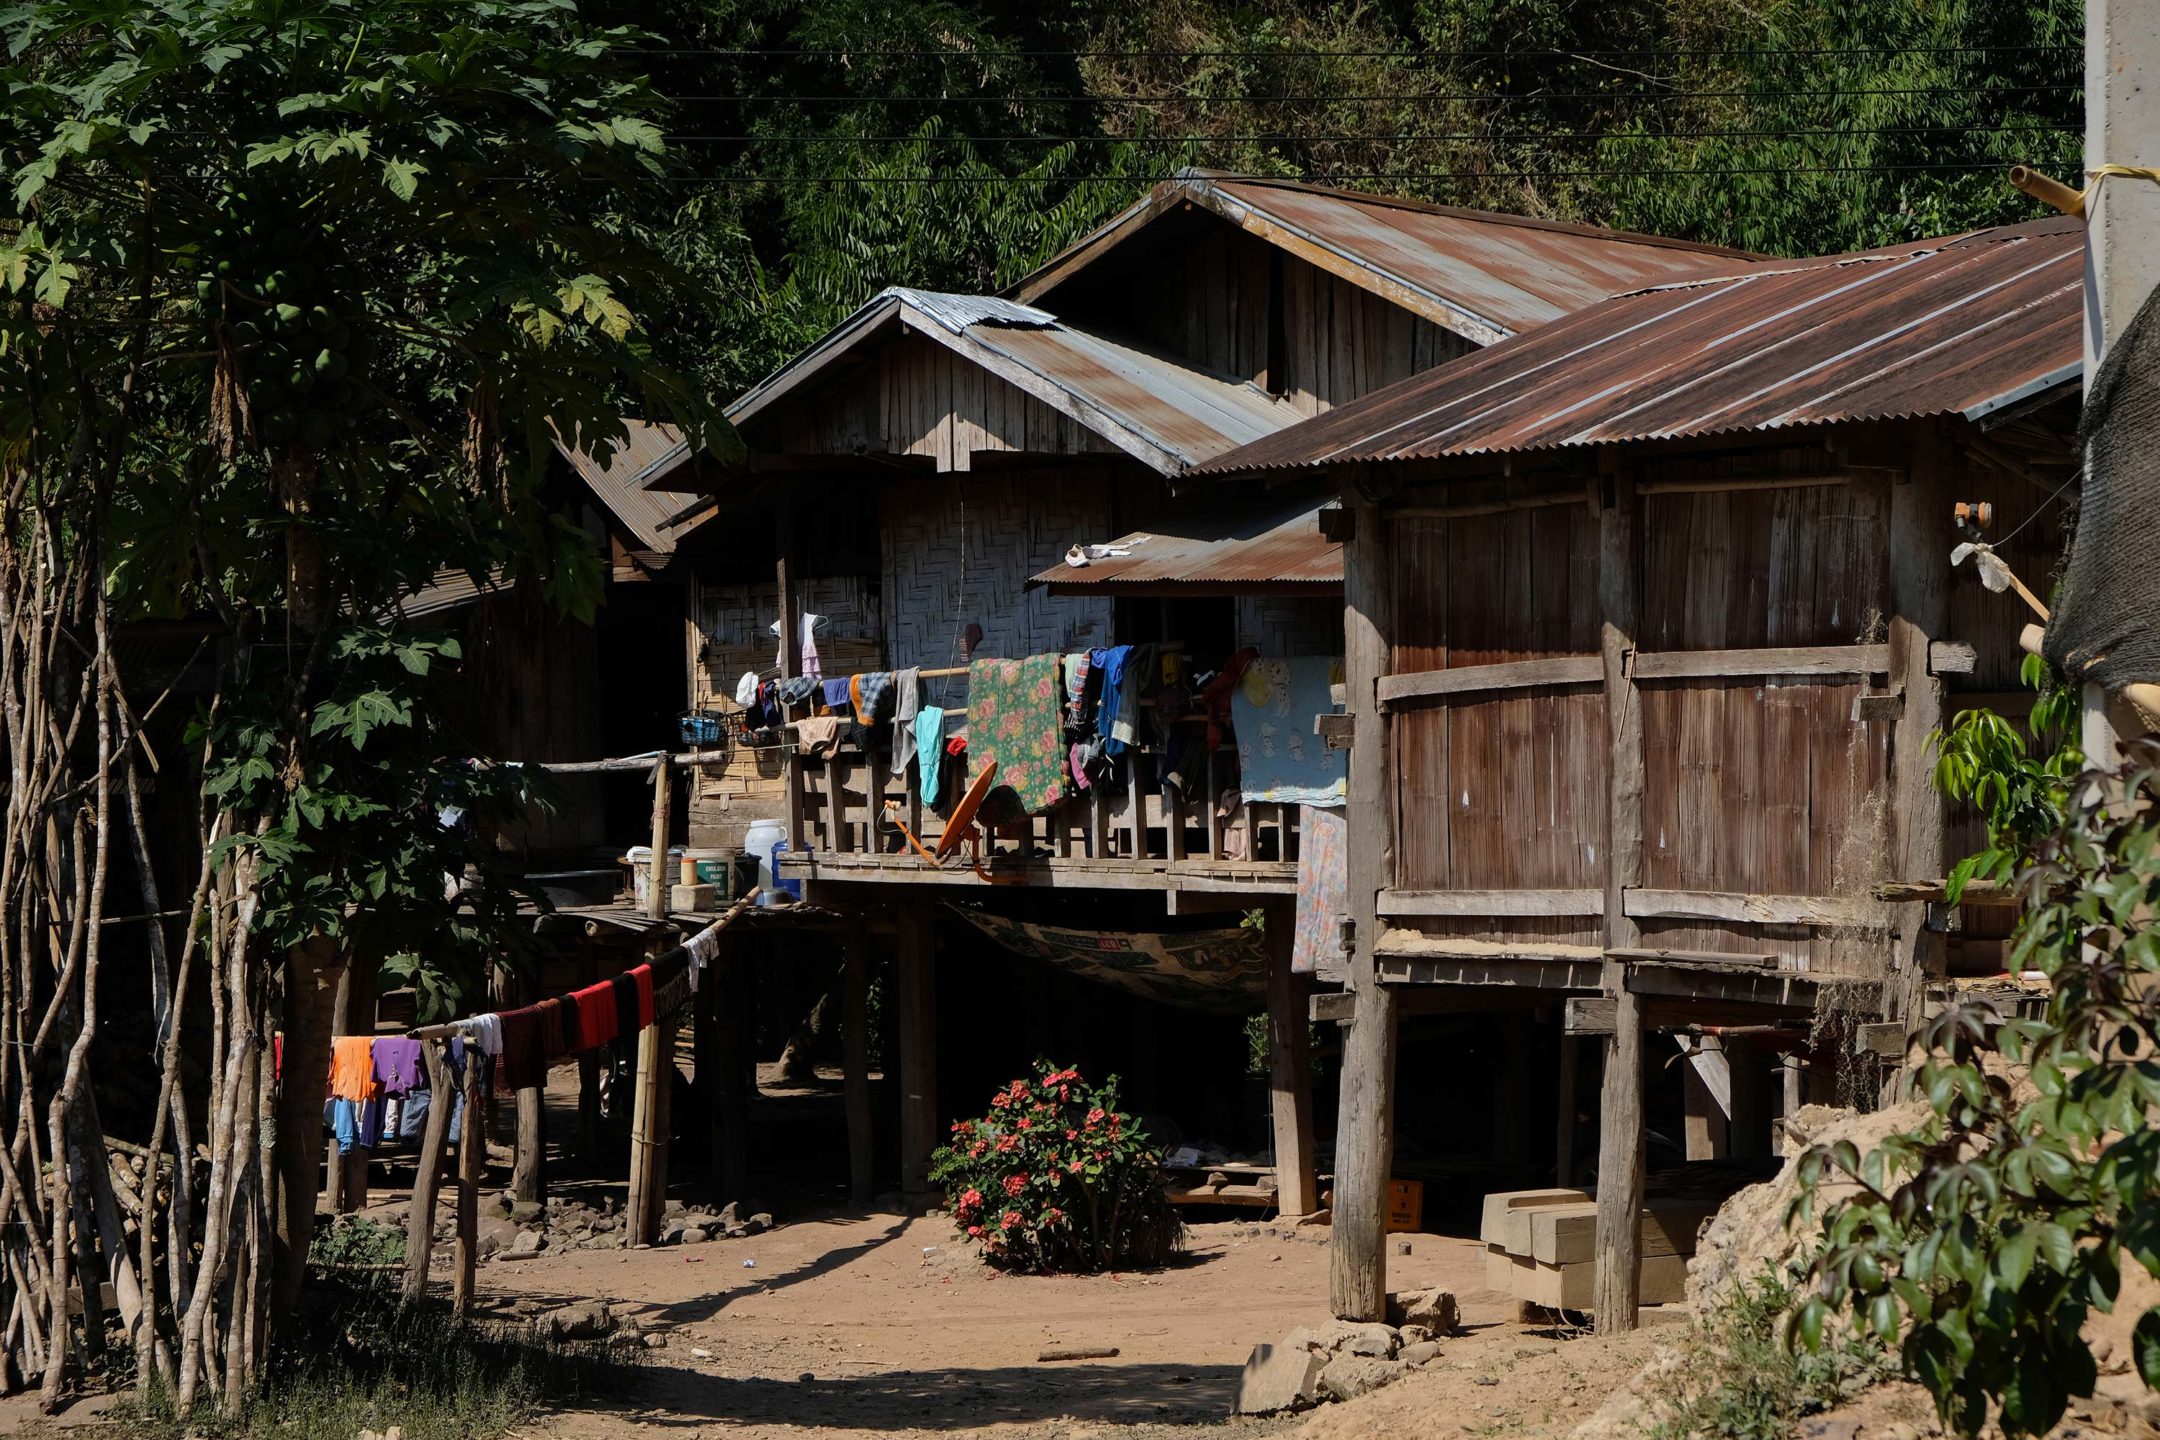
pixel 926 469
pixel 1650 614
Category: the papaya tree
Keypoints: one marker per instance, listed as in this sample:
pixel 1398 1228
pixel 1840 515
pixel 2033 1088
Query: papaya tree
pixel 298 298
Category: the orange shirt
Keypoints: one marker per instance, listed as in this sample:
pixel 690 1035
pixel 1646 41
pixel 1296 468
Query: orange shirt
pixel 352 1068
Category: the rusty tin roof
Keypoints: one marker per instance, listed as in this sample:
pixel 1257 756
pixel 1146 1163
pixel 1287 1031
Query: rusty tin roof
pixel 1157 408
pixel 1480 273
pixel 1957 326
pixel 1212 553
pixel 652 450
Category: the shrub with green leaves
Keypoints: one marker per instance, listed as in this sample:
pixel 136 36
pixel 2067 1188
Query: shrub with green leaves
pixel 1057 1178
pixel 1981 1243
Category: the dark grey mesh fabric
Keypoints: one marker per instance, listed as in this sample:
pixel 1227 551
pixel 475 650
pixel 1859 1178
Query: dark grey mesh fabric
pixel 2106 625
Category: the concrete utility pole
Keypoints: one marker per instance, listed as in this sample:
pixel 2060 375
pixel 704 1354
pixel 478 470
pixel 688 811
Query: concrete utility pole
pixel 2122 213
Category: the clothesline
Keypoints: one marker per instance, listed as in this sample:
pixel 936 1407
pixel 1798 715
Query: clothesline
pixel 692 950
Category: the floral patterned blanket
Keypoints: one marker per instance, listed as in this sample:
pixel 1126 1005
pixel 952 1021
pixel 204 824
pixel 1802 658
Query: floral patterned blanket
pixel 1014 719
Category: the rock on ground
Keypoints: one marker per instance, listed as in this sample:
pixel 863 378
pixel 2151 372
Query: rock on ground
pixel 576 1322
pixel 1349 1376
pixel 1432 1307
pixel 1345 1337
pixel 1278 1378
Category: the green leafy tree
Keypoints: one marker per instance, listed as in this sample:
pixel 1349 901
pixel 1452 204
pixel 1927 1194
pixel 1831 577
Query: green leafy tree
pixel 314 286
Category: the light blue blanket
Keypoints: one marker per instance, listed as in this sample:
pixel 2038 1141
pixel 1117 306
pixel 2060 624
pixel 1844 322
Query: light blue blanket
pixel 1280 760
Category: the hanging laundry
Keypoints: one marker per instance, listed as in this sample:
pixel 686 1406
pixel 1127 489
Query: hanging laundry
pixel 1215 696
pixel 671 994
pixel 872 693
pixel 596 1022
pixel 641 979
pixel 929 750
pixel 836 695
pixel 1014 722
pixel 818 736
pixel 352 1068
pixel 631 1014
pixel 554 1042
pixel 1280 760
pixel 1076 668
pixel 1140 680
pixel 746 689
pixel 796 693
pixel 522 1065
pixel 810 663
pixel 1323 888
pixel 1109 691
pixel 698 952
pixel 485 1033
pixel 907 700
pixel 399 1067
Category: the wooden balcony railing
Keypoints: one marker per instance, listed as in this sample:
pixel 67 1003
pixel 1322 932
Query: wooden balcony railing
pixel 837 810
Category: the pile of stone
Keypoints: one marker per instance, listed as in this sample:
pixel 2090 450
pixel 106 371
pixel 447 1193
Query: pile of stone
pixel 1344 1359
pixel 523 1229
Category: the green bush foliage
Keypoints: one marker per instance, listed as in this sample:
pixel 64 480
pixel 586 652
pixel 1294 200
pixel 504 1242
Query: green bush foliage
pixel 1055 1178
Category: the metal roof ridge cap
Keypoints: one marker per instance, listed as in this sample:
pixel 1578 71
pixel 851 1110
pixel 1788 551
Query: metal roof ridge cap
pixel 1577 228
pixel 1242 209
pixel 754 399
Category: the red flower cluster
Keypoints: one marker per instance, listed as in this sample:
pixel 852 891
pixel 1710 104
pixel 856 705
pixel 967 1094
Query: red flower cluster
pixel 1014 1184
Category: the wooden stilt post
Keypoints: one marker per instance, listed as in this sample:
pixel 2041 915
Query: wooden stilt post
pixel 1620 1130
pixel 427 1174
pixel 1708 1129
pixel 1570 1086
pixel 855 1060
pixel 734 1076
pixel 1750 1073
pixel 472 1157
pixel 528 1175
pixel 916 1003
pixel 1921 526
pixel 1365 1121
pixel 1297 1186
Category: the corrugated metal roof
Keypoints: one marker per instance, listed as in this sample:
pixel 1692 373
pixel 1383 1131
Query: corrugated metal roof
pixel 1957 326
pixel 449 589
pixel 1482 274
pixel 1161 410
pixel 651 450
pixel 1217 552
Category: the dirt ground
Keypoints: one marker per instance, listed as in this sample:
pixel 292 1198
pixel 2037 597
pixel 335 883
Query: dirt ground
pixel 883 1325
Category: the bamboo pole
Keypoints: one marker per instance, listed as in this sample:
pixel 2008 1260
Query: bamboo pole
pixel 427 1178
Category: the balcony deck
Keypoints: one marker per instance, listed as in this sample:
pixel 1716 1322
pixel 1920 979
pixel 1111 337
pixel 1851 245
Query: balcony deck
pixel 1142 836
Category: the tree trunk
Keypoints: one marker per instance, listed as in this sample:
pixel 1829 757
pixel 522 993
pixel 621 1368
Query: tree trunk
pixel 311 981
pixel 798 1061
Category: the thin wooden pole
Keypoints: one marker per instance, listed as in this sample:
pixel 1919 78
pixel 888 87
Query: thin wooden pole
pixel 1920 530
pixel 427 1177
pixel 657 878
pixel 855 1051
pixel 1365 1124
pixel 1620 1131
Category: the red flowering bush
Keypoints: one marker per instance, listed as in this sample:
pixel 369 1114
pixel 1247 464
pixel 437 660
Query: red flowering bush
pixel 1057 1178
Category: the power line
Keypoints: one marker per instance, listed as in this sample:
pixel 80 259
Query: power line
pixel 1978 165
pixel 1428 54
pixel 1421 96
pixel 1399 137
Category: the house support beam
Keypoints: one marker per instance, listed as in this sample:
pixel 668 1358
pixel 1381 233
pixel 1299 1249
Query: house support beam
pixel 855 1064
pixel 1620 1133
pixel 1365 1122
pixel 915 988
pixel 1297 1187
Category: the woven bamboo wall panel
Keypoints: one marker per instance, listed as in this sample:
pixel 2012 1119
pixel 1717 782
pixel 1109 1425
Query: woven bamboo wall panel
pixel 960 550
pixel 729 628
pixel 1291 624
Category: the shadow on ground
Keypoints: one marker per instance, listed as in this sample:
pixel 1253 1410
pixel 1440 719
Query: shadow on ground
pixel 950 1399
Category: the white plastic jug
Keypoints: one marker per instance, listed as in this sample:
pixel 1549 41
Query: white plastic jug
pixel 759 840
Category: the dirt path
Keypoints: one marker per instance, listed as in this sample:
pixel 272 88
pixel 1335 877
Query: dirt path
pixel 882 1325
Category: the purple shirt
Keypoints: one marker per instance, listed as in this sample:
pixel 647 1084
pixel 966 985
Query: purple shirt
pixel 398 1065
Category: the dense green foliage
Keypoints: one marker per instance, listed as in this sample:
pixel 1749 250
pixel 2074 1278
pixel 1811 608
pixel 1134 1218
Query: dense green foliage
pixel 1981 1242
pixel 835 146
pixel 350 266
